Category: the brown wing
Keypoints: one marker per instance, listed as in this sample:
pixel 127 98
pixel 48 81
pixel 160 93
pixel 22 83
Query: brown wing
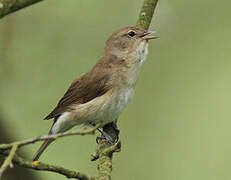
pixel 82 90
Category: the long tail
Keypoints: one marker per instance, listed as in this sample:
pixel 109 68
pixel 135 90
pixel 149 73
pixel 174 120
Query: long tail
pixel 42 149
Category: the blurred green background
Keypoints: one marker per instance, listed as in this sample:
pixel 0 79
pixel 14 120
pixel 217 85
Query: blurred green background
pixel 178 124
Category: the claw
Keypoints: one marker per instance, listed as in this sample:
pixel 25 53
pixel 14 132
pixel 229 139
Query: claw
pixel 104 135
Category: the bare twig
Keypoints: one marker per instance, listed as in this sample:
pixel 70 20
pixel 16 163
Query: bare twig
pixel 43 138
pixel 10 6
pixel 8 160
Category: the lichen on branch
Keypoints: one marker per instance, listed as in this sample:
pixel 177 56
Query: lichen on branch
pixel 9 151
pixel 146 13
pixel 47 167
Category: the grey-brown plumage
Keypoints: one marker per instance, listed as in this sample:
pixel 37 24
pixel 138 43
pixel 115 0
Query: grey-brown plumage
pixel 100 95
pixel 82 90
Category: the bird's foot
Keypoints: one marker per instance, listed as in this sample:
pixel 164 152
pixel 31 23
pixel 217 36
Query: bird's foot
pixel 104 135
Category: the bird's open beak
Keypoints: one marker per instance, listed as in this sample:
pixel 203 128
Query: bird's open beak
pixel 147 37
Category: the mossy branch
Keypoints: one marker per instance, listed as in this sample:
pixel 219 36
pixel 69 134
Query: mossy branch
pixel 46 167
pixel 146 13
pixel 8 160
pixel 105 152
pixel 9 151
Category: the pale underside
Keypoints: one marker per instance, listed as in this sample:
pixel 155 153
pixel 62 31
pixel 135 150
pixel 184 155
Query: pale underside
pixel 103 109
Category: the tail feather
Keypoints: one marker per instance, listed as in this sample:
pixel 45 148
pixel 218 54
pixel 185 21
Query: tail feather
pixel 42 149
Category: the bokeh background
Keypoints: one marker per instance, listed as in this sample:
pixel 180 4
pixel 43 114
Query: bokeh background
pixel 177 126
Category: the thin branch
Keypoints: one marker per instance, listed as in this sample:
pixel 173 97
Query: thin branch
pixel 146 13
pixel 43 138
pixel 37 165
pixel 47 167
pixel 105 161
pixel 8 160
pixel 10 6
pixel 105 152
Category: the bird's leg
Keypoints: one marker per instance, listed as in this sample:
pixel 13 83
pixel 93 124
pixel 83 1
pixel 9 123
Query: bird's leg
pixel 104 132
pixel 104 135
pixel 101 131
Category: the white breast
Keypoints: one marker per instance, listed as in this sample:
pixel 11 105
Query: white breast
pixel 123 99
pixel 142 52
pixel 119 101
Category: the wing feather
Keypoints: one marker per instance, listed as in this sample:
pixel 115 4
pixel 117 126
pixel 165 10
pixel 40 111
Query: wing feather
pixel 82 90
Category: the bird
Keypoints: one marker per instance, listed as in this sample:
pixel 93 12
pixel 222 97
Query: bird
pixel 100 95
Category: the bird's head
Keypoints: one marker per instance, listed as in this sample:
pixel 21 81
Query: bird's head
pixel 128 42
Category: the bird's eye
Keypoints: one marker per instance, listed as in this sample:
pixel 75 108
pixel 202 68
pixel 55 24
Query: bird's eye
pixel 131 33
